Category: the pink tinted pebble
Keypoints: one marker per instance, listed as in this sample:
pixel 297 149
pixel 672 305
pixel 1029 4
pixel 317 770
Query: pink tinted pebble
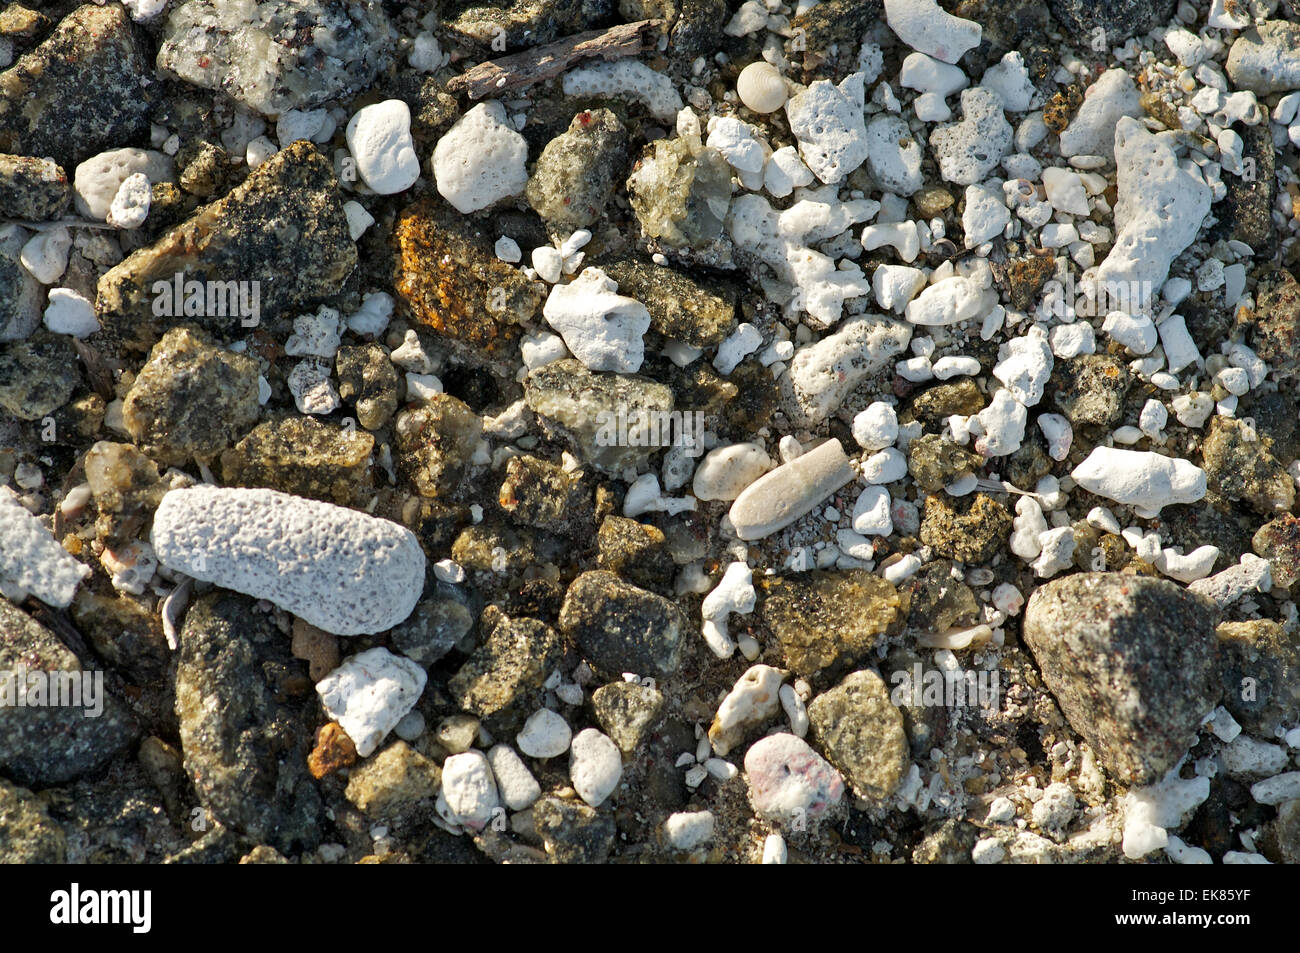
pixel 788 781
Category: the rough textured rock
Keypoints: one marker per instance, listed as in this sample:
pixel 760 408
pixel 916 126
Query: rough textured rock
pixel 33 189
pixel 397 785
pixel 369 381
pixel 449 281
pixel 577 172
pixel 626 711
pixel 1090 389
pixel 621 628
pixel 1116 19
pixel 283 228
pixel 1278 541
pixel 501 682
pixel 1131 661
pixel 303 456
pixel 1260 669
pixel 435 442
pixel 37 376
pixel 681 309
pixel 573 833
pixel 21 295
pixel 243 704
pixel 86 88
pixel 46 744
pixel 969 529
pixel 861 733
pixel 636 551
pixel 680 198
pixel 1239 465
pixel 828 618
pixel 586 406
pixel 27 833
pixel 538 493
pixel 191 400
pixel 275 55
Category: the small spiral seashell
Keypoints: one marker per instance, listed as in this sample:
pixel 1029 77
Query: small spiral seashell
pixel 761 87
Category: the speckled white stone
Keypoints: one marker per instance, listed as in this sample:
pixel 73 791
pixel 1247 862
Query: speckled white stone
pixel 469 789
pixel 515 783
pixel 31 559
pixel 342 570
pixel 595 766
pixel 370 693
pixel 480 160
pixel 725 472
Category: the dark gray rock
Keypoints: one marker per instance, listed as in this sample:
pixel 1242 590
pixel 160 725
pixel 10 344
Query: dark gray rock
pixel 87 88
pixel 1118 19
pixel 43 743
pixel 283 228
pixel 1132 662
pixel 33 189
pixel 622 628
pixel 246 708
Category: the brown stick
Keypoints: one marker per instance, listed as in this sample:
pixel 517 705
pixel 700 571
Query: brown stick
pixel 543 62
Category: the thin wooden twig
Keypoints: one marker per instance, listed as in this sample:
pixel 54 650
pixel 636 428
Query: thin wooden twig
pixel 544 62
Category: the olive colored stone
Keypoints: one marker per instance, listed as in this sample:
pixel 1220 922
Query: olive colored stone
pixel 681 309
pixel 538 493
pixel 626 711
pixel 28 835
pixel 43 743
pixel 245 708
pixel 1274 326
pixel 934 406
pixel 934 462
pixel 126 487
pixel 1239 464
pixel 578 171
pixel 969 529
pixel 680 197
pixel 861 733
pixel 38 375
pixel 192 399
pixel 397 785
pixel 435 442
pixel 599 413
pixel 495 546
pixel 368 381
pixel 280 235
pixel 828 618
pixel 636 551
pixel 1090 389
pixel 32 189
pixel 502 681
pixel 572 832
pixel 1278 541
pixel 305 457
pixel 205 168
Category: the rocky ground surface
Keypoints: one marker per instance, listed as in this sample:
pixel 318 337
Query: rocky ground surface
pixel 656 431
